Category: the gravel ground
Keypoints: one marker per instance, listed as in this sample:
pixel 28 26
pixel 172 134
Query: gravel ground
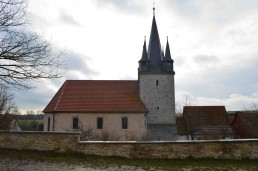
pixel 10 164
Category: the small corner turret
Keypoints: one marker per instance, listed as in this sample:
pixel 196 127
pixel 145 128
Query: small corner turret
pixel 168 62
pixel 144 62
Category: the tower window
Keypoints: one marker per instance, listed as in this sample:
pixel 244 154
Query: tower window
pixel 157 108
pixel 157 82
pixel 99 123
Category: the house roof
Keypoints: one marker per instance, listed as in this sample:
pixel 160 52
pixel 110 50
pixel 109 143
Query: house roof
pixel 197 117
pixel 231 116
pixel 103 96
pixel 249 122
pixel 181 125
pixel 5 121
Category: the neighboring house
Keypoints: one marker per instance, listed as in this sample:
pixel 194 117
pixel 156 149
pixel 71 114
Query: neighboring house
pixel 204 123
pixel 182 133
pixel 231 116
pixel 245 124
pixel 133 110
pixel 9 122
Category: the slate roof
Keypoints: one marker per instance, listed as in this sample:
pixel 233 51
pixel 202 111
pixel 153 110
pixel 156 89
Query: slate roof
pixel 144 53
pixel 91 96
pixel 205 117
pixel 245 124
pixel 168 54
pixel 154 49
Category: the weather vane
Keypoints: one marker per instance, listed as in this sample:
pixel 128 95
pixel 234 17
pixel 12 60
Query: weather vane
pixel 153 8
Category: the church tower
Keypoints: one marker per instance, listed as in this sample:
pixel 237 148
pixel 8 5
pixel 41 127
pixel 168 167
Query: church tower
pixel 157 90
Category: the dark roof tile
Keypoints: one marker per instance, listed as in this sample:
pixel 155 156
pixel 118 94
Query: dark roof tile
pixel 249 122
pixel 198 117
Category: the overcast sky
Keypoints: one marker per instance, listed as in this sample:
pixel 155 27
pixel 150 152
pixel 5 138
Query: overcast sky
pixel 214 45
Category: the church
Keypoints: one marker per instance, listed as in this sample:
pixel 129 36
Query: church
pixel 122 110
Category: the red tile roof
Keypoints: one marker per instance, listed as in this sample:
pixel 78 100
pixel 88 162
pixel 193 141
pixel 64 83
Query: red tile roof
pixel 245 124
pixel 207 118
pixel 181 125
pixel 102 96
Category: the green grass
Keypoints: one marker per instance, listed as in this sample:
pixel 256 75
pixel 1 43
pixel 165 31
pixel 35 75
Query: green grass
pixel 28 122
pixel 162 164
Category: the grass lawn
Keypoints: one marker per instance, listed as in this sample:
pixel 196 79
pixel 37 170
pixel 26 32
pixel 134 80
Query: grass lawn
pixel 147 164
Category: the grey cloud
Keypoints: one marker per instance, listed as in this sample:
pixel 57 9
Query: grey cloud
pixel 68 19
pixel 122 5
pixel 243 80
pixel 127 77
pixel 179 61
pixel 212 12
pixel 40 96
pixel 185 7
pixel 206 59
pixel 36 98
pixel 79 62
pixel 222 80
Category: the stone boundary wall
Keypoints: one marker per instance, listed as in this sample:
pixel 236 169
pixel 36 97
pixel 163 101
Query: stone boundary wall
pixel 41 141
pixel 69 142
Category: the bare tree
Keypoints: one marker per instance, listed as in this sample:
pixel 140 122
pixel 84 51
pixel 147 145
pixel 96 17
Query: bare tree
pixel 24 56
pixel 185 101
pixel 252 107
pixel 7 105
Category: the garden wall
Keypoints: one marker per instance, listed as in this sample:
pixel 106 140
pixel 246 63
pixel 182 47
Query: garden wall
pixel 69 142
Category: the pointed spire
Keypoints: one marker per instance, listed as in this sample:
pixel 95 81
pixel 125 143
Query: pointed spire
pixel 144 52
pixel 154 48
pixel 167 54
pixel 153 60
pixel 144 61
pixel 168 61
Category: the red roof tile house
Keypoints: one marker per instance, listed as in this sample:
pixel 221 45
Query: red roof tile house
pixel 245 125
pixel 101 106
pixel 204 123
